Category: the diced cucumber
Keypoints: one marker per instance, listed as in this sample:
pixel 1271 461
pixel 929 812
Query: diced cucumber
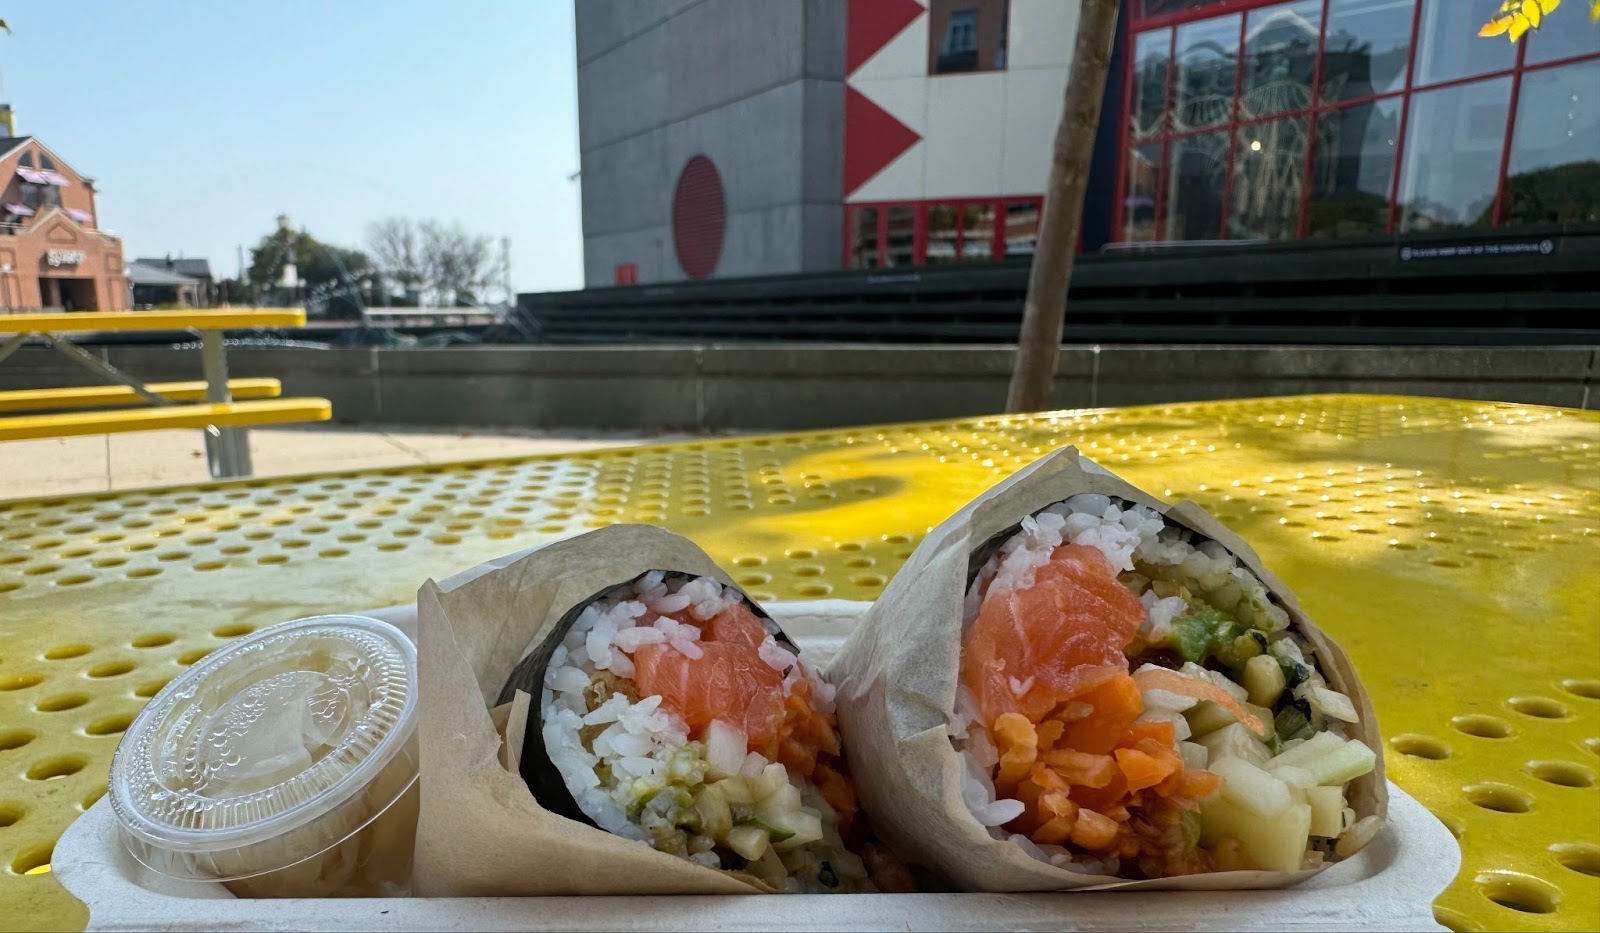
pixel 1291 724
pixel 1270 844
pixel 1327 808
pixel 774 834
pixel 1313 748
pixel 725 749
pixel 1263 679
pixel 1262 714
pixel 716 817
pixel 1194 755
pixel 738 791
pixel 1234 741
pixel 798 827
pixel 1297 778
pixel 774 777
pixel 1329 703
pixel 1207 717
pixel 1251 788
pixel 749 841
pixel 1345 763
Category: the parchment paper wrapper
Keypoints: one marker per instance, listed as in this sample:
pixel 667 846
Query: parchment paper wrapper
pixel 480 832
pixel 896 677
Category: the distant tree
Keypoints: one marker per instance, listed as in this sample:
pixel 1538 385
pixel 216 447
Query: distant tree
pixel 396 247
pixel 332 274
pixel 460 266
pixel 1516 17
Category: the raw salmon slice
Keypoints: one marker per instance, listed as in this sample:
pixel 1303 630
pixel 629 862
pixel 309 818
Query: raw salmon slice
pixel 1032 648
pixel 729 681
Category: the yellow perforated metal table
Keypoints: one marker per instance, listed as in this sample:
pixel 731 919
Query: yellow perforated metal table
pixel 1453 547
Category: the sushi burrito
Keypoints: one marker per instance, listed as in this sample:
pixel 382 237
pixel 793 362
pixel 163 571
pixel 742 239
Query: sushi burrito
pixel 1071 684
pixel 610 714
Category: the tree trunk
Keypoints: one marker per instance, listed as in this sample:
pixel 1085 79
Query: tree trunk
pixel 1039 343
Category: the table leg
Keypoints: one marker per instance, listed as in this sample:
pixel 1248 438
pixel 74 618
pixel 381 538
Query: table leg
pixel 100 367
pixel 12 345
pixel 227 449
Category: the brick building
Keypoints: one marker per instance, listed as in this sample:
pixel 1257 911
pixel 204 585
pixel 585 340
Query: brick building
pixel 52 252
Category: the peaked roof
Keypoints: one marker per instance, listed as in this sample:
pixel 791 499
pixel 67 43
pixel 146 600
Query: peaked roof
pixel 196 268
pixel 10 144
pixel 142 273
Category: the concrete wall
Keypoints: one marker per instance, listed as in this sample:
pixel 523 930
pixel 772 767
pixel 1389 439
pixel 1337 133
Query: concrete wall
pixel 756 87
pixel 793 387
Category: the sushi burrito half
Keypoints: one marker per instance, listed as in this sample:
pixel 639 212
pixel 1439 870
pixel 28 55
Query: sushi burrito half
pixel 1071 684
pixel 609 714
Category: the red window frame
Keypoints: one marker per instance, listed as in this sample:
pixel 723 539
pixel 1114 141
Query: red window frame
pixel 919 247
pixel 1140 24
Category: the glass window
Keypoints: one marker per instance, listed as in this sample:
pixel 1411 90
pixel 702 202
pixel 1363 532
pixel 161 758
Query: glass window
pixel 1353 171
pixel 1208 59
pixel 941 234
pixel 864 239
pixel 1022 228
pixel 1449 46
pixel 1163 7
pixel 1194 182
pixel 1452 156
pixel 1269 168
pixel 50 195
pixel 30 195
pixel 902 236
pixel 46 163
pixel 1150 53
pixel 25 160
pixel 1280 58
pixel 977 232
pixel 1562 38
pixel 1139 209
pixel 967 35
pixel 1554 172
pixel 1366 48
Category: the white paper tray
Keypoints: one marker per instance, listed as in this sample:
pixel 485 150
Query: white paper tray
pixel 1390 885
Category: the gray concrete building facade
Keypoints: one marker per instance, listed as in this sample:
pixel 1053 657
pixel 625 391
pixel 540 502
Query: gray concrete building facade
pixel 756 89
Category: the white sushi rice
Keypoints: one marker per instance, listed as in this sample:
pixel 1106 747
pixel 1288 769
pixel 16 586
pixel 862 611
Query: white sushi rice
pixel 1125 533
pixel 639 746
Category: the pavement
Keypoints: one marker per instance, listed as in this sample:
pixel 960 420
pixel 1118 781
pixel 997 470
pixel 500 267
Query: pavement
pixel 103 462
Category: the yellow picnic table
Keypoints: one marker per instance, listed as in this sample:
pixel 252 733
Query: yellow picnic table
pixel 1452 547
pixel 214 407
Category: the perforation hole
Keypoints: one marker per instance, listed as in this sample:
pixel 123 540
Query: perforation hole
pixel 109 725
pixel 34 861
pixel 1484 727
pixel 110 669
pixel 1501 798
pixel 20 681
pixel 63 652
pixel 1519 892
pixel 1420 746
pixel 155 640
pixel 1538 707
pixel 1581 857
pixel 15 738
pixel 1563 773
pixel 58 766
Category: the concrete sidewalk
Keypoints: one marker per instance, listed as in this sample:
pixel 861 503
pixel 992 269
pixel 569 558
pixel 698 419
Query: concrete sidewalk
pixel 104 462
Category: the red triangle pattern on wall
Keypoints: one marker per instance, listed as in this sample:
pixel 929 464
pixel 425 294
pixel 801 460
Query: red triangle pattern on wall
pixel 870 24
pixel 872 139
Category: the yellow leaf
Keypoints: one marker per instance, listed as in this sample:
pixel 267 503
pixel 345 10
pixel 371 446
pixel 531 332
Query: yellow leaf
pixel 1495 27
pixel 1531 11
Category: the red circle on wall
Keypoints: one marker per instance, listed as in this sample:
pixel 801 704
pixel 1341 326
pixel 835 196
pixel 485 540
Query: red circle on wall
pixel 699 217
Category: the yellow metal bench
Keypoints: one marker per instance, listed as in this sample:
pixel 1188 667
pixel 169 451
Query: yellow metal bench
pixel 223 419
pixel 153 418
pixel 104 396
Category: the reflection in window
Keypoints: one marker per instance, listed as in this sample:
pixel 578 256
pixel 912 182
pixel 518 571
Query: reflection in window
pixel 1366 48
pixel 1554 172
pixel 1139 209
pixel 1269 168
pixel 1354 169
pixel 1280 58
pixel 941 234
pixel 902 236
pixel 1452 155
pixel 967 35
pixel 1448 46
pixel 1150 52
pixel 49 195
pixel 977 232
pixel 1208 57
pixel 1555 42
pixel 864 245
pixel 46 163
pixel 25 160
pixel 1194 181
pixel 1022 228
pixel 30 195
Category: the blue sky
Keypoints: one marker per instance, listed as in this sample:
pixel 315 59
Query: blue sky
pixel 202 120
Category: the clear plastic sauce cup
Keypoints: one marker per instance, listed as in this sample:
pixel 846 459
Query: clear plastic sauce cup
pixel 283 764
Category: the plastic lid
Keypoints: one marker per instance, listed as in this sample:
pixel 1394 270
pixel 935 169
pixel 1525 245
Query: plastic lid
pixel 266 734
